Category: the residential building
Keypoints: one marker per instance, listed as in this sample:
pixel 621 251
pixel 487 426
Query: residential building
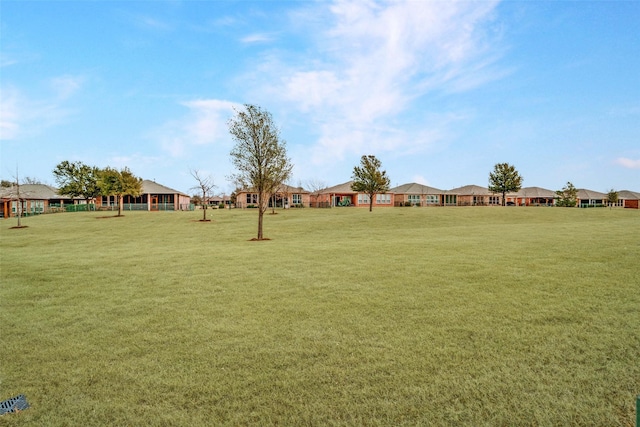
pixel 473 195
pixel 286 197
pixel 531 196
pixel 154 197
pixel 343 195
pixel 414 194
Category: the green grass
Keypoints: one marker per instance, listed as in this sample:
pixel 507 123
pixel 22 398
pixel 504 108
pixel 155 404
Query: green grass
pixel 403 316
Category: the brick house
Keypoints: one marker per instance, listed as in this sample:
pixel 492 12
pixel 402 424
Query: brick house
pixel 628 199
pixel 286 197
pixel 343 195
pixel 588 198
pixel 415 194
pixel 34 199
pixel 154 197
pixel 532 196
pixel 473 195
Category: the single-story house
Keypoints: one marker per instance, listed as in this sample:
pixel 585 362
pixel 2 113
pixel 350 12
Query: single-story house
pixel 473 195
pixel 629 199
pixel 532 196
pixel 286 196
pixel 34 199
pixel 223 200
pixel 586 198
pixel 154 197
pixel 415 194
pixel 343 195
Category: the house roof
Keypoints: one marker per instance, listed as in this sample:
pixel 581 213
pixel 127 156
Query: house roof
pixel 534 192
pixel 344 188
pixel 628 195
pixel 33 192
pixel 584 194
pixel 415 188
pixel 152 187
pixel 222 198
pixel 282 189
pixel 290 189
pixel 470 190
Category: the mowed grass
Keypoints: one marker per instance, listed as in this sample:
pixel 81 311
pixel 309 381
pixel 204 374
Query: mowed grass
pixel 402 316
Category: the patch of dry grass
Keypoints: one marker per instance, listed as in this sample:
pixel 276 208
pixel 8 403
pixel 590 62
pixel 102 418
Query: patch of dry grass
pixel 403 316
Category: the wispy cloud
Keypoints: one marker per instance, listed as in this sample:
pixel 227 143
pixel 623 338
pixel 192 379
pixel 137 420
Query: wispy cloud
pixel 628 163
pixel 6 60
pixel 258 38
pixel 376 60
pixel 205 123
pixel 66 86
pixel 21 116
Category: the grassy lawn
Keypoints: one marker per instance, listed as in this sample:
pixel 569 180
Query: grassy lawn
pixel 402 316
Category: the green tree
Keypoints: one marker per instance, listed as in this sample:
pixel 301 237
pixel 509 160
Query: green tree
pixel 568 196
pixel 504 179
pixel 77 180
pixel 612 197
pixel 259 156
pixel 117 183
pixel 369 179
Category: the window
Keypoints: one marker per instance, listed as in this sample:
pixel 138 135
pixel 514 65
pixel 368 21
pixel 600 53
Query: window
pixel 414 199
pixel 432 199
pixel 450 199
pixel 384 199
pixel 252 198
pixel 363 199
pixel 37 206
pixel 109 200
pixel 494 200
pixel 297 199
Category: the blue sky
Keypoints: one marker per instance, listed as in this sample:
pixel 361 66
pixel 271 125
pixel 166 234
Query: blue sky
pixel 439 91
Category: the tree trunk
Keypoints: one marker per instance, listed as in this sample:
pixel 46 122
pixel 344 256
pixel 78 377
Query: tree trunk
pixel 370 202
pixel 260 214
pixel 504 200
pixel 120 200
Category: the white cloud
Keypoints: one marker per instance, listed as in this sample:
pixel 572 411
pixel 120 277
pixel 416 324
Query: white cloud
pixel 374 61
pixel 205 124
pixel 628 163
pixel 66 86
pixel 420 180
pixel 6 60
pixel 258 38
pixel 21 116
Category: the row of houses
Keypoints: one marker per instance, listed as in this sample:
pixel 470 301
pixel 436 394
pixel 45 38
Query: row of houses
pixel 39 198
pixel 414 194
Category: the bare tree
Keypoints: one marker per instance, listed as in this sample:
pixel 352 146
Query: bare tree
pixel 205 185
pixel 260 157
pixel 316 186
pixel 17 195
